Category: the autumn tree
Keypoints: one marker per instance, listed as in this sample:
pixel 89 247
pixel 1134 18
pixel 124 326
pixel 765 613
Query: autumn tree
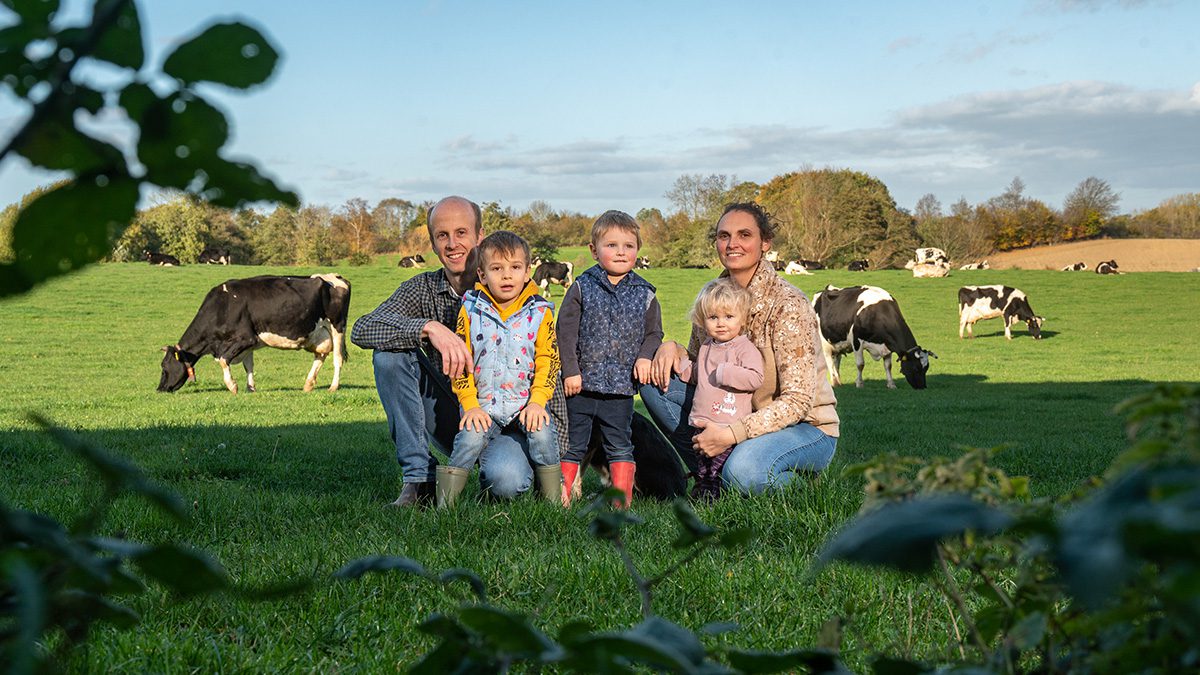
pixel 1089 206
pixel 354 225
pixel 1175 217
pixel 391 219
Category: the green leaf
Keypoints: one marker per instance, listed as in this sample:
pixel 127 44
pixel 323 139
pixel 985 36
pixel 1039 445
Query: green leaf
pixel 673 636
pixel 509 631
pixel 234 184
pixel 380 563
pixel 813 660
pixel 121 41
pixel 1028 632
pixel 185 571
pixel 69 227
pixel 53 142
pixel 232 54
pixel 574 631
pixel 694 529
pixel 276 590
pixel 33 12
pixel 608 652
pixel 94 607
pixel 737 537
pixel 443 626
pixel 28 600
pixel 447 657
pixel 719 628
pixel 460 574
pixel 889 666
pixel 905 535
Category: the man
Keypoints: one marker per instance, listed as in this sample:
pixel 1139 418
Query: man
pixel 416 354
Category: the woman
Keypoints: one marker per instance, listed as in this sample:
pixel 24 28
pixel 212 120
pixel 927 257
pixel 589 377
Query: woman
pixel 794 426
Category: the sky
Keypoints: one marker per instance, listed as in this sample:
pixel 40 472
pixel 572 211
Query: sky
pixel 592 106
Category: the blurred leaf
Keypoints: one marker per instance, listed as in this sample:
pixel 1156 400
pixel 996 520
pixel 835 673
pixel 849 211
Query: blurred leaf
pixel 235 184
pixel 380 563
pixel 574 630
pixel 33 12
pixel 51 141
pixel 737 537
pixel 86 98
pixel 443 626
pixel 607 652
pixel 232 54
pixel 694 529
pixel 719 628
pixel 29 602
pixel 121 42
pixel 1028 632
pixel 511 632
pixel 680 640
pixel 276 590
pixel 814 660
pixel 447 657
pixel 460 574
pixel 69 227
pixel 185 571
pixel 905 535
pixel 831 634
pixel 96 607
pixel 889 666
pixel 179 134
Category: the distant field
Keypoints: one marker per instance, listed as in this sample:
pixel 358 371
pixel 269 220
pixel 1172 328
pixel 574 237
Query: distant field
pixel 1132 255
pixel 285 483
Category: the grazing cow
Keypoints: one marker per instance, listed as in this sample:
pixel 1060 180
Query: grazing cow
pixel 858 265
pixel 412 261
pixel 935 270
pixel 242 315
pixel 794 267
pixel 215 256
pixel 976 303
pixel 976 266
pixel 1077 267
pixel 643 263
pixel 551 272
pixel 160 259
pixel 868 318
pixel 811 264
pixel 1107 267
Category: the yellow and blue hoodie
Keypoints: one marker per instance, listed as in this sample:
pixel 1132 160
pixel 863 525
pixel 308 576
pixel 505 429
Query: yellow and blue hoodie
pixel 515 352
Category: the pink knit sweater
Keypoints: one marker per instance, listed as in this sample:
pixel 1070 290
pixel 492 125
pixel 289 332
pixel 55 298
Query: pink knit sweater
pixel 727 373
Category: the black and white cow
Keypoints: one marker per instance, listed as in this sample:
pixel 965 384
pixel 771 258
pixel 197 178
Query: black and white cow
pixel 160 259
pixel 795 267
pixel 643 263
pixel 215 256
pixel 242 315
pixel 1077 267
pixel 858 265
pixel 1107 267
pixel 976 266
pixel 551 272
pixel 412 261
pixel 976 303
pixel 866 318
pixel 928 255
pixel 811 264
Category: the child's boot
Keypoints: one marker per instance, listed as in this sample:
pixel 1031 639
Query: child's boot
pixel 622 479
pixel 549 480
pixel 570 473
pixel 450 483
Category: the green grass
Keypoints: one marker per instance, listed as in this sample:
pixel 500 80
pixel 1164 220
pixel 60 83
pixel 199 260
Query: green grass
pixel 284 483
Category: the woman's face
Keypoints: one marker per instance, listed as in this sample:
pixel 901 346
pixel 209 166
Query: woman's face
pixel 739 242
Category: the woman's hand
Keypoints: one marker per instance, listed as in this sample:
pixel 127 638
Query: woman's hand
pixel 713 439
pixel 666 362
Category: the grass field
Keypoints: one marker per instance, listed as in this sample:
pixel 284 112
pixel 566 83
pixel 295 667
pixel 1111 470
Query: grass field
pixel 287 484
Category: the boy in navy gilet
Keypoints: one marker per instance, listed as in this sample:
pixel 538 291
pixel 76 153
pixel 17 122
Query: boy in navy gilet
pixel 609 326
pixel 509 330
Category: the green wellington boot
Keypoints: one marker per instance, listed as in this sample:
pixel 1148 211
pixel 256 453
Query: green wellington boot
pixel 450 483
pixel 549 480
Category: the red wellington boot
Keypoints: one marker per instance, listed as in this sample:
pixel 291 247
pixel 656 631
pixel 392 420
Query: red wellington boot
pixel 622 479
pixel 570 471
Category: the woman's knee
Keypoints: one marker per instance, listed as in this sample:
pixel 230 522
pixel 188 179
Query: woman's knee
pixel 744 473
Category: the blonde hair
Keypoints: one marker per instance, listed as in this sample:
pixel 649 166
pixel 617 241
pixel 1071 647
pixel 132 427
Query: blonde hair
pixel 721 294
pixel 616 219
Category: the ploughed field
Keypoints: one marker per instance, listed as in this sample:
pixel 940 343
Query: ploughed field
pixel 285 484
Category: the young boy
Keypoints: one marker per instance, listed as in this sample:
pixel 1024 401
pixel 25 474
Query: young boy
pixel 609 327
pixel 509 331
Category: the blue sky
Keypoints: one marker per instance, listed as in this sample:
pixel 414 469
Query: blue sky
pixel 598 105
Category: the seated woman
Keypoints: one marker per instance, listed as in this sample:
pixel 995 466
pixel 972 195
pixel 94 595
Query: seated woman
pixel 794 426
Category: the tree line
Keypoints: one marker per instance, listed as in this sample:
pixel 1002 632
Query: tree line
pixel 831 215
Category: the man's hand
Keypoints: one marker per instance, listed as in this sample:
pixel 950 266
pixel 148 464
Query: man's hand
pixel 572 385
pixel 533 417
pixel 456 358
pixel 713 439
pixel 666 362
pixel 641 370
pixel 475 419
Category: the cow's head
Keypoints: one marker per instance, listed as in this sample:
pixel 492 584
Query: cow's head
pixel 914 364
pixel 177 368
pixel 1035 326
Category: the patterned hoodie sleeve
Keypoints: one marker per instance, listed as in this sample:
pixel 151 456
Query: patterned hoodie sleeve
pixel 792 332
pixel 464 385
pixel 546 362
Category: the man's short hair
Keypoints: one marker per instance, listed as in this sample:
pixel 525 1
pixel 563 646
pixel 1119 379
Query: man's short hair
pixel 502 242
pixel 615 219
pixel 765 221
pixel 474 207
pixel 722 293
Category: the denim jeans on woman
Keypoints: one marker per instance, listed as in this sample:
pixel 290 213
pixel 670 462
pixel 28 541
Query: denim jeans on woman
pixel 756 464
pixel 421 409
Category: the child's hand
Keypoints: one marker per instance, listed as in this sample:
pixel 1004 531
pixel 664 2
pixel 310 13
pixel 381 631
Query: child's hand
pixel 572 385
pixel 641 370
pixel 533 417
pixel 475 419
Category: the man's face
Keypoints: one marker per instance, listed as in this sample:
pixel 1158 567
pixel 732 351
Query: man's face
pixel 453 235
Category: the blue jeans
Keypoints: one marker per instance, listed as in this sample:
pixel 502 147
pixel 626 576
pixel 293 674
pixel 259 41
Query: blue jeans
pixel 613 413
pixel 754 465
pixel 421 409
pixel 542 445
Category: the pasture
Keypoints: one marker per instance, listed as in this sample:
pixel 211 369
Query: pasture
pixel 285 484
